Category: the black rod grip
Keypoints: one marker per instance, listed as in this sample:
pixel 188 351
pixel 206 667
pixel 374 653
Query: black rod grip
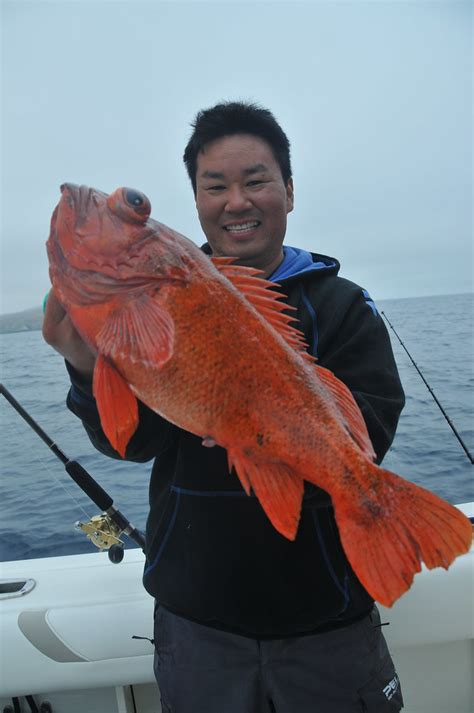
pixel 127 527
pixel 87 483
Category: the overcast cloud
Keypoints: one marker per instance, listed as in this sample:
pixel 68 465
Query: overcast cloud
pixel 375 98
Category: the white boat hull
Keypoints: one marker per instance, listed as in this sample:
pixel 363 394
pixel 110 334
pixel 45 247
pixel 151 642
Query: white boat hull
pixel 70 639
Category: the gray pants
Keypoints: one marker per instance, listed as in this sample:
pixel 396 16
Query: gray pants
pixel 204 670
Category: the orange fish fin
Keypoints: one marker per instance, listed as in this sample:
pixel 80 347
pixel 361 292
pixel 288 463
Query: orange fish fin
pixel 278 489
pixel 140 331
pixel 349 409
pixel 219 261
pixel 241 473
pixel 262 295
pixel 117 406
pixel 387 532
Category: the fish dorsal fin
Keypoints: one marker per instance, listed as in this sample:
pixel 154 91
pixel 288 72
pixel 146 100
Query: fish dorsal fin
pixel 140 331
pixel 349 409
pixel 262 295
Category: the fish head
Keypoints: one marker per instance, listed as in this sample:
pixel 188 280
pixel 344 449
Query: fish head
pixel 114 234
pixel 91 226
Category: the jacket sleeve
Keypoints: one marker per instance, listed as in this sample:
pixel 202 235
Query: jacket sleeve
pixel 354 344
pixel 153 435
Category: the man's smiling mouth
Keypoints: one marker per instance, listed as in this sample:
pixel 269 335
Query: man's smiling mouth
pixel 242 227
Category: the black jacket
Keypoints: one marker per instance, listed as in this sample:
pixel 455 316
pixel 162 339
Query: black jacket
pixel 212 554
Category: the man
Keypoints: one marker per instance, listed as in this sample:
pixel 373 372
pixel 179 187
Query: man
pixel 245 620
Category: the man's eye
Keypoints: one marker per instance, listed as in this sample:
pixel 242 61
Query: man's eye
pixel 254 183
pixel 216 188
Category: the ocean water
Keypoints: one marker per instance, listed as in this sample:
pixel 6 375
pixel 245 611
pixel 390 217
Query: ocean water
pixel 39 504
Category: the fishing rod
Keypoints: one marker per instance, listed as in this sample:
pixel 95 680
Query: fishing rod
pixel 450 423
pixel 103 530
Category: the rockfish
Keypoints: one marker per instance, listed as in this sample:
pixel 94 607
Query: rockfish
pixel 207 345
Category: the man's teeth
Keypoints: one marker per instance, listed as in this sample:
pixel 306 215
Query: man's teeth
pixel 242 226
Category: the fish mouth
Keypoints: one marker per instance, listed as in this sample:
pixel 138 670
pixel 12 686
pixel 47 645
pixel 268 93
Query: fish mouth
pixel 73 193
pixel 79 199
pixel 70 187
pixel 54 219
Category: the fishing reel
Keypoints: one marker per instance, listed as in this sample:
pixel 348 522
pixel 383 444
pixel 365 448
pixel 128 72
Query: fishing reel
pixel 105 535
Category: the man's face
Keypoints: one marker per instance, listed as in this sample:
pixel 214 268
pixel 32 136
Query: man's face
pixel 242 200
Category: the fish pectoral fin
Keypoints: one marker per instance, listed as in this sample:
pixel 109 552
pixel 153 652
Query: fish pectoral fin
pixel 278 489
pixel 140 331
pixel 117 405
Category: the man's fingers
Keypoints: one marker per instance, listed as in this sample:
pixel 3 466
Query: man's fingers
pixel 57 327
pixel 60 333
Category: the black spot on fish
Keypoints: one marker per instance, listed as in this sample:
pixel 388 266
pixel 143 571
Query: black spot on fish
pixel 373 508
pixel 260 439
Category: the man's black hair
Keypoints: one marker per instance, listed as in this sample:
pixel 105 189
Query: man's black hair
pixel 229 118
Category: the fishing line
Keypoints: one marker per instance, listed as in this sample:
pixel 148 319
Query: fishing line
pixel 450 423
pixel 59 482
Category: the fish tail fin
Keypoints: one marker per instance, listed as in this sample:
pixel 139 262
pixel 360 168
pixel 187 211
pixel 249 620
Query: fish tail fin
pixel 389 530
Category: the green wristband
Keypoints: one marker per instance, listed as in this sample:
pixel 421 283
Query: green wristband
pixel 45 300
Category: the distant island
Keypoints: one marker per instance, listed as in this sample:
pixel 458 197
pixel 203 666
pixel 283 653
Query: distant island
pixel 26 321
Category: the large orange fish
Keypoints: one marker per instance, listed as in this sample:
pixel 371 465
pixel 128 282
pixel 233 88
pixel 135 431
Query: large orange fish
pixel 207 345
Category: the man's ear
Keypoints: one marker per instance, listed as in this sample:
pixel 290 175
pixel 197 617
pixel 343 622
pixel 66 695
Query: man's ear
pixel 290 196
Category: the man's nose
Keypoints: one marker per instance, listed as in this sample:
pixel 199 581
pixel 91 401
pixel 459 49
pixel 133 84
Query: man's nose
pixel 237 200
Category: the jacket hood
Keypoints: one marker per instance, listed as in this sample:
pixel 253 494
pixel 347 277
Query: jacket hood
pixel 297 262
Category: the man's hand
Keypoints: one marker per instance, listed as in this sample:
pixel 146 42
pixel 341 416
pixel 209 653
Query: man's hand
pixel 60 333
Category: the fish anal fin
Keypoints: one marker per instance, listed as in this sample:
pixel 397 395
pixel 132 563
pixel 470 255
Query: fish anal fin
pixel 349 409
pixel 386 533
pixel 117 405
pixel 278 489
pixel 140 331
pixel 266 300
pixel 241 473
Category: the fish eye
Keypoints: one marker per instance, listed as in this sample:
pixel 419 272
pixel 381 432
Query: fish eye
pixel 134 198
pixel 130 204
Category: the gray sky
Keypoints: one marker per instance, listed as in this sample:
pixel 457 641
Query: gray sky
pixel 375 98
